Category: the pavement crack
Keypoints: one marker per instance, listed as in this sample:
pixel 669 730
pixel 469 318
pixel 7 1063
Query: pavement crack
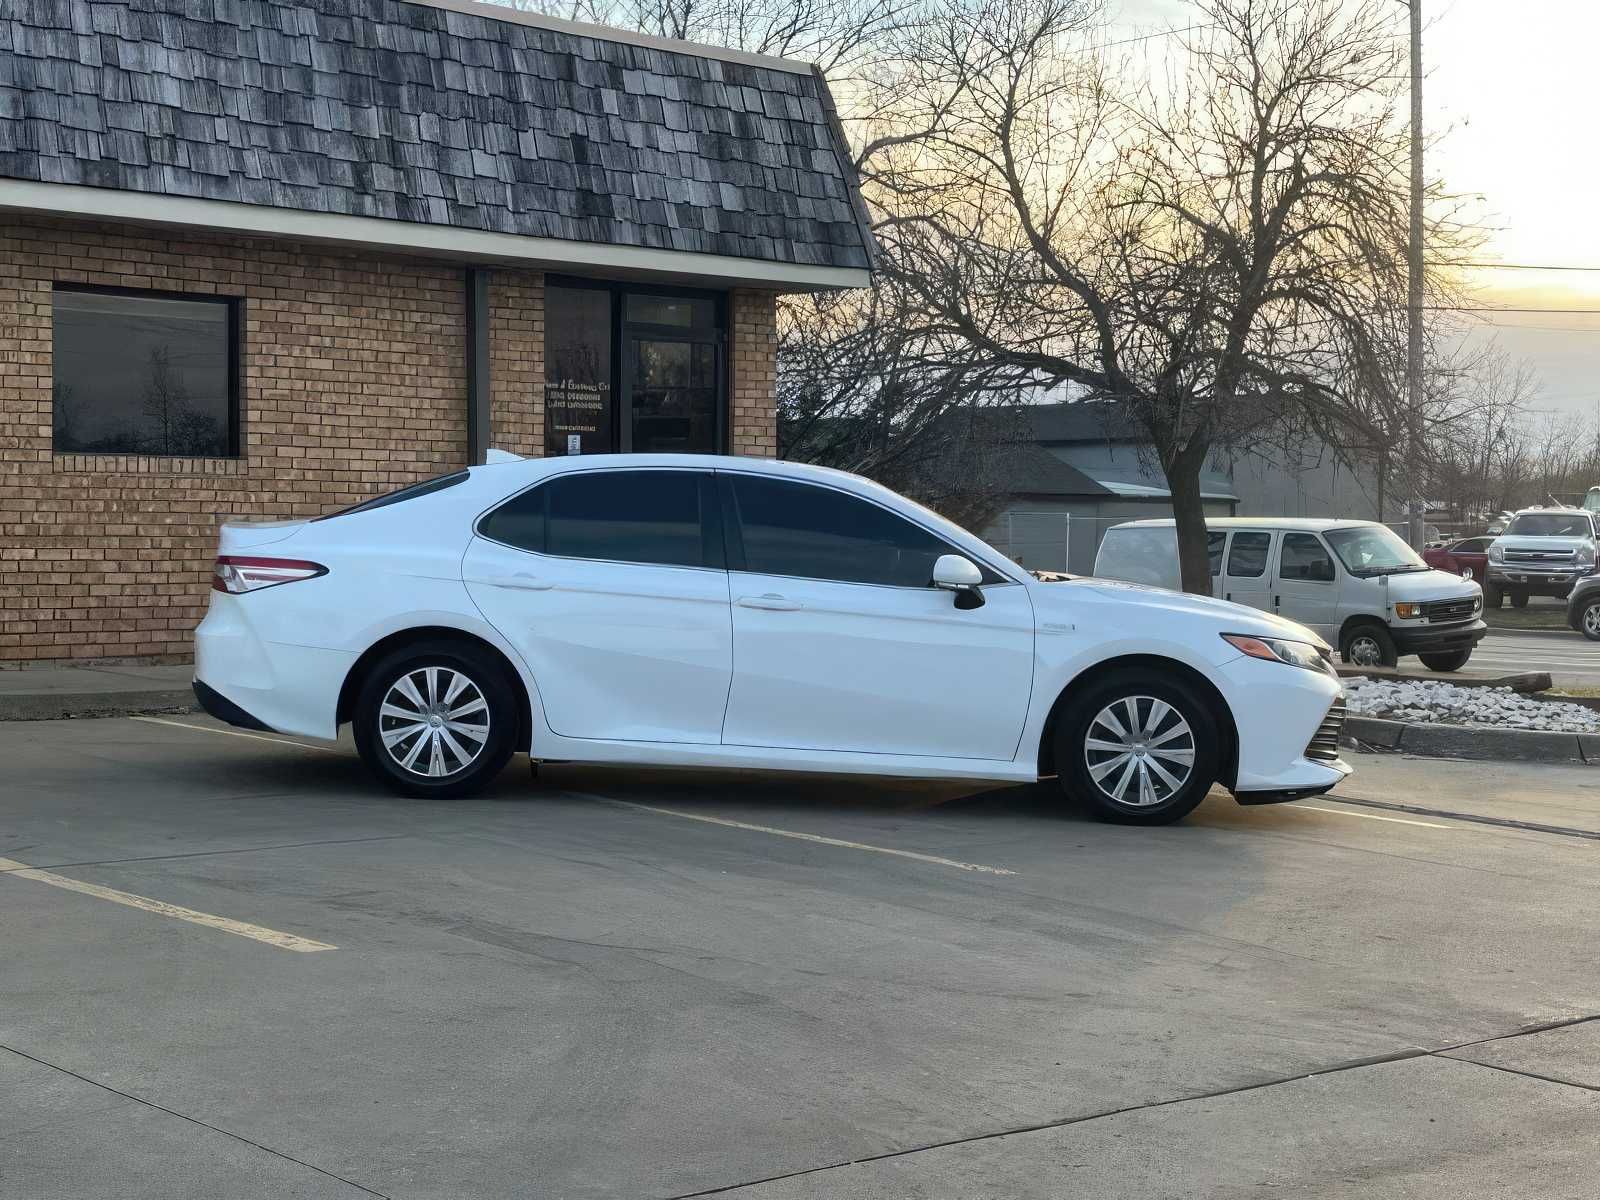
pixel 1472 818
pixel 111 862
pixel 227 1133
pixel 1474 1062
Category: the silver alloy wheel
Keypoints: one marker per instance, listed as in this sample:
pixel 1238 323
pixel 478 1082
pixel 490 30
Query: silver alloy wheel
pixel 1591 621
pixel 434 722
pixel 1365 651
pixel 1139 751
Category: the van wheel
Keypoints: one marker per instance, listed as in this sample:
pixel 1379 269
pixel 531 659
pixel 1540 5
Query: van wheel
pixel 1368 646
pixel 437 719
pixel 1453 661
pixel 1519 599
pixel 1139 748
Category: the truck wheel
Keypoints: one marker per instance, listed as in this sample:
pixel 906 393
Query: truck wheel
pixel 1589 620
pixel 1519 599
pixel 1452 661
pixel 1368 646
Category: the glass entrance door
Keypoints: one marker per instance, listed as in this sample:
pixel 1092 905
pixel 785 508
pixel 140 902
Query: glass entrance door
pixel 671 396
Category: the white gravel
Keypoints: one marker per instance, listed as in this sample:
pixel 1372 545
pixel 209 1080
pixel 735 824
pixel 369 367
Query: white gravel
pixel 1447 704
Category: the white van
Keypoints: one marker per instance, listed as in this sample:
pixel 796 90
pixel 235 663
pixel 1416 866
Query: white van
pixel 1356 583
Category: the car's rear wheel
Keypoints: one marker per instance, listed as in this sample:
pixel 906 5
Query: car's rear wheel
pixel 1589 621
pixel 436 719
pixel 1139 747
pixel 1452 661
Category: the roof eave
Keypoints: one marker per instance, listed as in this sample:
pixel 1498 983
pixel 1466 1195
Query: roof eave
pixel 431 241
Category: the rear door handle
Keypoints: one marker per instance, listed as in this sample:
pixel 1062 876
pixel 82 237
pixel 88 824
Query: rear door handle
pixel 771 601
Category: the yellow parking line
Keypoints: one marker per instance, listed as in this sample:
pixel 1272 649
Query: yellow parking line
pixel 272 937
pixel 1339 812
pixel 809 837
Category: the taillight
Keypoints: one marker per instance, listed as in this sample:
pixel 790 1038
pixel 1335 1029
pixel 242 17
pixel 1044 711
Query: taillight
pixel 236 575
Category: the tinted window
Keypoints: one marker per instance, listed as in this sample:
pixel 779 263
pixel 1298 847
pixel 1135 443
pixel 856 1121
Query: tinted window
pixel 818 533
pixel 1214 544
pixel 1305 557
pixel 619 516
pixel 142 374
pixel 1247 557
pixel 425 488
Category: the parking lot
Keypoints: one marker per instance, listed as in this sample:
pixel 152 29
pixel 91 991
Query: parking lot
pixel 234 967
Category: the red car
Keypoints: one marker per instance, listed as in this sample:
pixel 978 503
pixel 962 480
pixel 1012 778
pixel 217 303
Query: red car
pixel 1467 558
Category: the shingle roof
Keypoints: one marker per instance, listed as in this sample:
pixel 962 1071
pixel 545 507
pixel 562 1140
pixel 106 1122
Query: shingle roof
pixel 384 108
pixel 1028 469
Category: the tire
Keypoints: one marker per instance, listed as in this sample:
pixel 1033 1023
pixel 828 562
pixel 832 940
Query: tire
pixel 1493 597
pixel 1519 599
pixel 1368 645
pixel 1453 661
pixel 449 760
pixel 1589 620
pixel 1087 718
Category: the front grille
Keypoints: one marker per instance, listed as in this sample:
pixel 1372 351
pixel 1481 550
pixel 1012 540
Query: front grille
pixel 1324 743
pixel 1540 556
pixel 1450 610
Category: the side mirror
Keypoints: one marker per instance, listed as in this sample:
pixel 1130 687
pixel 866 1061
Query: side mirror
pixel 960 575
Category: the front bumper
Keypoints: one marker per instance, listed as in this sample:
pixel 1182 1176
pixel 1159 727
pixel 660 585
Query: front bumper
pixel 1536 581
pixel 1278 710
pixel 1438 639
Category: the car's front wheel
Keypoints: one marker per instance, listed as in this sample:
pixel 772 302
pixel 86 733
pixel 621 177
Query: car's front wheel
pixel 1140 748
pixel 1519 599
pixel 436 719
pixel 1589 620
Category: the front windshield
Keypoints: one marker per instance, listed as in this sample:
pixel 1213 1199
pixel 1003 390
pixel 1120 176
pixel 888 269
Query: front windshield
pixel 1549 524
pixel 1373 550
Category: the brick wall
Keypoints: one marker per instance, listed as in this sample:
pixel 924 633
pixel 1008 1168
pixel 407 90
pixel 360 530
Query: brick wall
pixel 753 374
pixel 352 383
pixel 516 362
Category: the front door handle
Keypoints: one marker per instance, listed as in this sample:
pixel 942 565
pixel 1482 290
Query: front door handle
pixel 771 601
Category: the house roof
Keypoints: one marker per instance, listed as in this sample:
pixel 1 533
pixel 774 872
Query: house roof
pixel 1079 421
pixel 1028 469
pixel 437 113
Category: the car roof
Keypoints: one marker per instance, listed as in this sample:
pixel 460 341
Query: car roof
pixel 1293 524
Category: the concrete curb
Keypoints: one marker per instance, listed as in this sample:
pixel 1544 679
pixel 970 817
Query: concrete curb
pixel 59 706
pixel 1463 741
pixel 1526 682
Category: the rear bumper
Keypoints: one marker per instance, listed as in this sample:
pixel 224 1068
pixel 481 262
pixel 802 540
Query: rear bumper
pixel 223 709
pixel 1438 639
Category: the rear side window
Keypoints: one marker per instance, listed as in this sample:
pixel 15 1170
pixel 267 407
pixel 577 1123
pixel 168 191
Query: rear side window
pixel 426 488
pixel 814 532
pixel 1214 544
pixel 1305 557
pixel 667 518
pixel 1247 556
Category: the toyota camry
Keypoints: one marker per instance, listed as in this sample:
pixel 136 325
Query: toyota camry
pixel 728 612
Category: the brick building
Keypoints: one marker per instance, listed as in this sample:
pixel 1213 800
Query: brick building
pixel 265 258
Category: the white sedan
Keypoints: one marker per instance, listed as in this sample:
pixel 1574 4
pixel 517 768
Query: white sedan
pixel 728 612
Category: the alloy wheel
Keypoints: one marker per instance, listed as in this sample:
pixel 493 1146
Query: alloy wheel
pixel 434 722
pixel 1139 751
pixel 1365 651
pixel 1591 621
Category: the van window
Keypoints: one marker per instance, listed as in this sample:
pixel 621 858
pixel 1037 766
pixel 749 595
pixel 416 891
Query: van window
pixel 1305 557
pixel 1148 555
pixel 1214 544
pixel 1247 557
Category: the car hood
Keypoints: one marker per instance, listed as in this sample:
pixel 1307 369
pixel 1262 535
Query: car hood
pixel 1429 585
pixel 1226 616
pixel 1557 545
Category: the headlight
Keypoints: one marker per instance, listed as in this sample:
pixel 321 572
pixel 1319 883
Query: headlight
pixel 1497 554
pixel 1296 654
pixel 1407 611
pixel 1585 555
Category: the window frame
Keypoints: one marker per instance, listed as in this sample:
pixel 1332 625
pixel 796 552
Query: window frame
pixel 733 535
pixel 235 325
pixel 1327 553
pixel 622 331
pixel 712 521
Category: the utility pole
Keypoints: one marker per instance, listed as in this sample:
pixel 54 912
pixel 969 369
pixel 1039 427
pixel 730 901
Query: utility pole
pixel 1414 288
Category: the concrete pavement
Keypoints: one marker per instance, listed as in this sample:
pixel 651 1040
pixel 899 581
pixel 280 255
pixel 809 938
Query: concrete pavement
pixel 1571 660
pixel 616 984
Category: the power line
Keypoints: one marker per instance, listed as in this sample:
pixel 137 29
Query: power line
pixel 1491 308
pixel 1163 33
pixel 1495 266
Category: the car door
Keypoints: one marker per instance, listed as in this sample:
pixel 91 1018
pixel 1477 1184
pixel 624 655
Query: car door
pixel 841 644
pixel 611 585
pixel 1305 584
pixel 1245 577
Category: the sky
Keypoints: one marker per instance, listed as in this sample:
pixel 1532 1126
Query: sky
pixel 1507 99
